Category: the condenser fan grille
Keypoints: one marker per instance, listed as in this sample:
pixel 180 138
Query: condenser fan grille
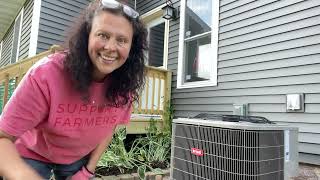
pixel 214 153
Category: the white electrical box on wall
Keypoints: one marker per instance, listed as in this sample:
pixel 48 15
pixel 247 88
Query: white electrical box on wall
pixel 240 109
pixel 295 103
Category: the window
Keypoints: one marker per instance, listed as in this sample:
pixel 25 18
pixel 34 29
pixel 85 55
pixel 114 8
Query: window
pixel 198 43
pixel 158 35
pixel 156 40
pixel 16 37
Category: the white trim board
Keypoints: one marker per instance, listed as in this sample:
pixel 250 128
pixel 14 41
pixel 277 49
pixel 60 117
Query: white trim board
pixel 155 11
pixel 17 48
pixel 34 28
pixel 151 18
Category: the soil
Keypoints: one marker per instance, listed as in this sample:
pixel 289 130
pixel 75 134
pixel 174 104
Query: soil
pixel 161 165
pixel 104 171
pixel 308 172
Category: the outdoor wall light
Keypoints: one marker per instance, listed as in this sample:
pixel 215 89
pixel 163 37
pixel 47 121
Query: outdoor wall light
pixel 169 12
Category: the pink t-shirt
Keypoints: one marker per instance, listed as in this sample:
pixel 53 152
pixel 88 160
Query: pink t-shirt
pixel 50 119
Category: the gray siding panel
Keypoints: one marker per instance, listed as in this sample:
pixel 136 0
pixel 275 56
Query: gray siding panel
pixel 144 6
pixel 308 148
pixel 233 14
pixel 309 138
pixel 283 29
pixel 282 90
pixel 273 10
pixel 289 45
pixel 269 23
pixel 264 41
pixel 270 66
pixel 310 158
pixel 262 74
pixel 26 30
pixel 7 47
pixel 56 16
pixel 267 49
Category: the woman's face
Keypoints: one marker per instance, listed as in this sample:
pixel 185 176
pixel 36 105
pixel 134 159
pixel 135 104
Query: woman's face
pixel 109 45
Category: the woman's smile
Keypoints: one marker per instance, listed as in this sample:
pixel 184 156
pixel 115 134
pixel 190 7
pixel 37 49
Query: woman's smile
pixel 108 59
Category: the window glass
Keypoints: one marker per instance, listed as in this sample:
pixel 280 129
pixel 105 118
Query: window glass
pixel 197 65
pixel 198 17
pixel 156 44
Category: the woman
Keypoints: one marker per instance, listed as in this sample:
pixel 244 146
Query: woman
pixel 64 111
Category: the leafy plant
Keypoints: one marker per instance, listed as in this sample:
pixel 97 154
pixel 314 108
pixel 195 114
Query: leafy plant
pixel 167 116
pixel 146 153
pixel 155 147
pixel 117 156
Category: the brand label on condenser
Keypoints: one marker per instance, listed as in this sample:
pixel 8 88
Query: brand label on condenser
pixel 197 152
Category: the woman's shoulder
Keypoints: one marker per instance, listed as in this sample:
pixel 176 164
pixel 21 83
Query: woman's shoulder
pixel 49 65
pixel 51 61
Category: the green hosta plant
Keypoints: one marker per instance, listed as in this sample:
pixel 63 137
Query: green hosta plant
pixel 155 147
pixel 117 156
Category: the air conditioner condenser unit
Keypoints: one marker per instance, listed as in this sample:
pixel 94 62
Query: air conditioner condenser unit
pixel 213 148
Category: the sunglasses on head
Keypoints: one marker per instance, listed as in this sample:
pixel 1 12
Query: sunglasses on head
pixel 112 4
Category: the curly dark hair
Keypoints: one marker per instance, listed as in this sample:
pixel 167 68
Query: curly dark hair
pixel 126 81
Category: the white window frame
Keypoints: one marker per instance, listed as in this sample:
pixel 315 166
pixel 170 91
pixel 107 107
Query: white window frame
pixel 150 17
pixel 19 35
pixel 214 46
pixel 154 23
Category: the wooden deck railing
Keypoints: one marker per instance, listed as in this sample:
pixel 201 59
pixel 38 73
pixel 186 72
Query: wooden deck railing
pixel 153 98
pixel 11 75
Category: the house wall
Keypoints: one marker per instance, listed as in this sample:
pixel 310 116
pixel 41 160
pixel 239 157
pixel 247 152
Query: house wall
pixel 267 49
pixel 143 6
pixel 55 18
pixel 57 15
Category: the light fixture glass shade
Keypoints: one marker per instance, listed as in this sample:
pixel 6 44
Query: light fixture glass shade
pixel 168 12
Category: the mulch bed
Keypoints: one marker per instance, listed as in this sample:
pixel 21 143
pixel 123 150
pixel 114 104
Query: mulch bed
pixel 103 171
pixel 308 172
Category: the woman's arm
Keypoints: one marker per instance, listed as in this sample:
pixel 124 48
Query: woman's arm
pixel 12 165
pixel 97 152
